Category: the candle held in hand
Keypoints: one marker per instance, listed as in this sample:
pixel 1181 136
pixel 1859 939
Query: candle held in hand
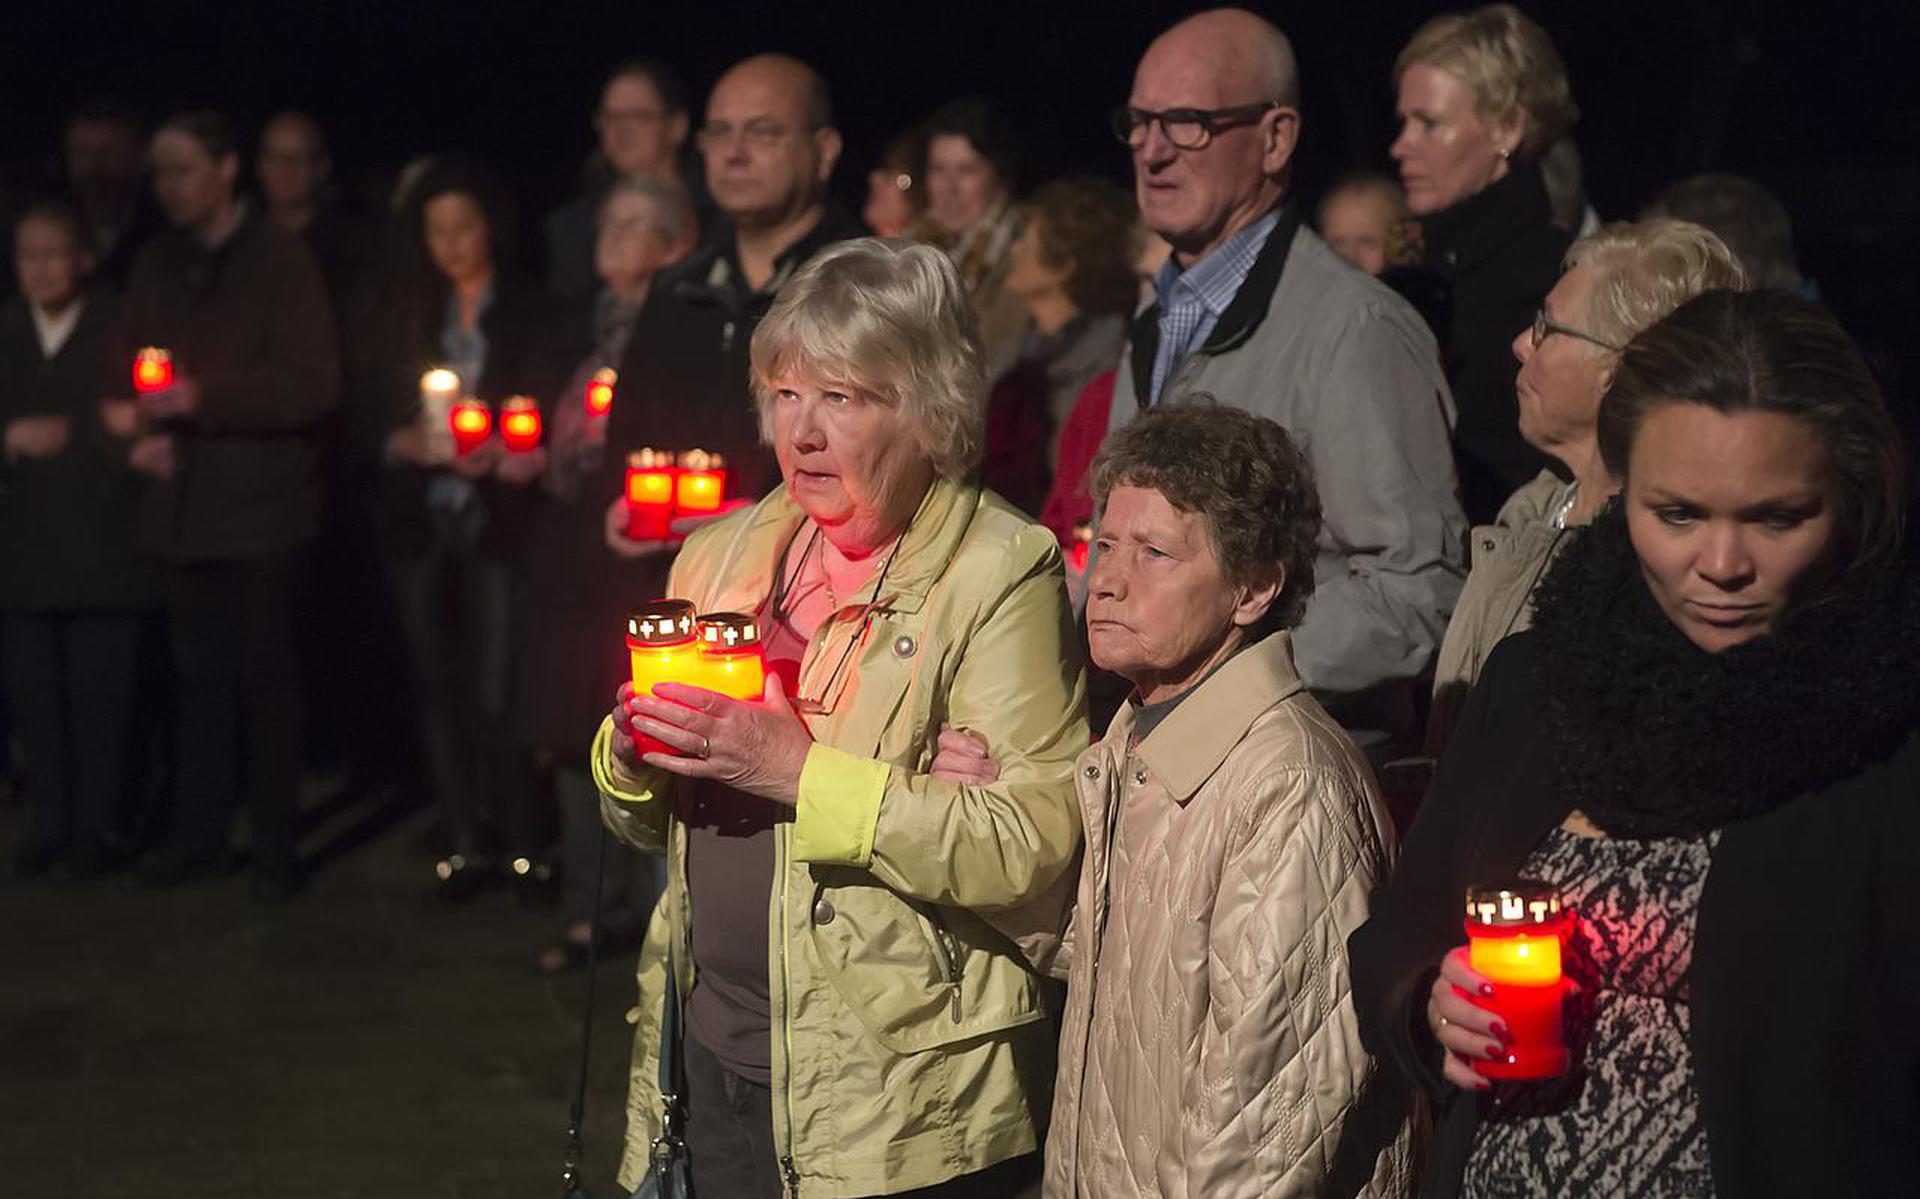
pixel 661 648
pixel 520 424
pixel 471 421
pixel 1514 936
pixel 650 495
pixel 152 370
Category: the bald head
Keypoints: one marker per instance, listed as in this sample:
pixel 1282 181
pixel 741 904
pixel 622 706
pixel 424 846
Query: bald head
pixel 788 76
pixel 1247 56
pixel 769 142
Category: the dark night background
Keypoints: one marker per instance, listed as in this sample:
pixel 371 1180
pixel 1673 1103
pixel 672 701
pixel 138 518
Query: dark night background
pixel 1817 101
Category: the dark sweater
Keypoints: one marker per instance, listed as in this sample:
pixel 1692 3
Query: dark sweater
pixel 1806 971
pixel 66 522
pixel 250 322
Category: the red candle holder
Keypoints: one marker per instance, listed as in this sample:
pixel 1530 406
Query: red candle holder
pixel 661 648
pixel 1514 936
pixel 731 660
pixel 600 391
pixel 471 421
pixel 152 370
pixel 650 477
pixel 1082 548
pixel 702 484
pixel 520 424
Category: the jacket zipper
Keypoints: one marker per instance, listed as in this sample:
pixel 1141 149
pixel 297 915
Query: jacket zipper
pixel 949 959
pixel 790 1172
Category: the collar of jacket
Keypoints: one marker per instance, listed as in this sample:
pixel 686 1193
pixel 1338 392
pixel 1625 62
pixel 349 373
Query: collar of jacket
pixel 1237 323
pixel 751 558
pixel 1192 742
pixel 712 275
pixel 1478 228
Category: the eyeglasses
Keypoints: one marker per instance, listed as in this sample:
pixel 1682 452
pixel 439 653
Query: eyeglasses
pixel 760 135
pixel 1186 128
pixel 823 702
pixel 1544 326
pixel 626 116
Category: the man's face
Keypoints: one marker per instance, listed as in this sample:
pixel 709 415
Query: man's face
pixel 103 159
pixel 191 184
pixel 764 161
pixel 1192 197
pixel 637 133
pixel 292 165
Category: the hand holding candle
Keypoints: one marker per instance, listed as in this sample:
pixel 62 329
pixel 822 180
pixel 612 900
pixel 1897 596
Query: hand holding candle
pixel 1496 1003
pixel 152 370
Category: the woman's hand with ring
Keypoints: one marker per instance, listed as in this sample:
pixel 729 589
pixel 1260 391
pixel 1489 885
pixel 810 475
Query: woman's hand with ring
pixel 1463 1028
pixel 756 747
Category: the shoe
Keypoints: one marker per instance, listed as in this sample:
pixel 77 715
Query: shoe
pixel 35 858
pixel 173 867
pixel 461 878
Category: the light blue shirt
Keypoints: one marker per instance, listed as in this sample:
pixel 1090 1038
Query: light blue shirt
pixel 1192 300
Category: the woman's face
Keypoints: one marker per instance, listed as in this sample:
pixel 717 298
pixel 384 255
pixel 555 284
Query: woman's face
pixel 1159 604
pixel 1445 152
pixel 50 264
pixel 1029 274
pixel 630 247
pixel 962 186
pixel 1732 517
pixel 889 207
pixel 1561 380
pixel 458 237
pixel 849 459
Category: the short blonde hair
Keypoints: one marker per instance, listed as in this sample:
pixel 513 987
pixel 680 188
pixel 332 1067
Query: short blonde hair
pixel 1646 270
pixel 1508 61
pixel 891 319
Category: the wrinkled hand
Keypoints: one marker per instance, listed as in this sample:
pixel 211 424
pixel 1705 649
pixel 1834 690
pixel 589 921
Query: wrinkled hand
pixel 615 530
pixel 1464 1029
pixel 181 400
pixel 522 468
pixel 758 747
pixel 408 443
pixel 36 436
pixel 478 462
pixel 963 758
pixel 153 455
pixel 120 417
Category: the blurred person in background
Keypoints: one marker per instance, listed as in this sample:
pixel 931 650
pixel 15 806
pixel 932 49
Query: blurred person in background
pixel 295 173
pixel 1481 97
pixel 105 152
pixel 1357 217
pixel 1071 268
pixel 75 588
pixel 896 192
pixel 642 126
pixel 972 169
pixel 231 454
pixel 1747 217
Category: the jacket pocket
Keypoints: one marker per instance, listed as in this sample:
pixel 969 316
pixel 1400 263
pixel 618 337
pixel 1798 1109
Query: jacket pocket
pixel 917 976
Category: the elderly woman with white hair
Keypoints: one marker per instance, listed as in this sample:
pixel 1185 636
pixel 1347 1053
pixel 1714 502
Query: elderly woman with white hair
pixel 1618 282
pixel 842 925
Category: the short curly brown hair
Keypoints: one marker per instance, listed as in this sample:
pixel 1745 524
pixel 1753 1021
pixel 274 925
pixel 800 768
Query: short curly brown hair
pixel 1244 474
pixel 1086 224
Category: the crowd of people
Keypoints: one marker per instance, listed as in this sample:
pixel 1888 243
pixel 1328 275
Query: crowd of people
pixel 1170 613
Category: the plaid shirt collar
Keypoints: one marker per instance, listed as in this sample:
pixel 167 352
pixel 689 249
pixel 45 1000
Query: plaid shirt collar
pixel 1216 279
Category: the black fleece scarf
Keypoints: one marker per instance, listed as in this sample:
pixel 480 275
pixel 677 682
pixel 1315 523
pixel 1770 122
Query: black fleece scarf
pixel 1654 737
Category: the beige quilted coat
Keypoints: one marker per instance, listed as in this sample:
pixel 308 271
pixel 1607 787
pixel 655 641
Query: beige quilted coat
pixel 1210 1048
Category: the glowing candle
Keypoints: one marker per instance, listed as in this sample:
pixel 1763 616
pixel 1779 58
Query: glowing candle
pixel 152 370
pixel 702 483
pixel 731 661
pixel 1514 935
pixel 650 495
pixel 662 649
pixel 600 391
pixel 438 391
pixel 471 421
pixel 520 424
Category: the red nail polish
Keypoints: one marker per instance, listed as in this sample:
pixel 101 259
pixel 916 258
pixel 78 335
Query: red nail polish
pixel 1500 1030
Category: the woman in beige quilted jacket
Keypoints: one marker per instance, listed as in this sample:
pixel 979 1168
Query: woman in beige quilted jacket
pixel 1210 1048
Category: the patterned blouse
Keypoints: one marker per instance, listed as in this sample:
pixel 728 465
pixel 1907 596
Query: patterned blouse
pixel 1625 1120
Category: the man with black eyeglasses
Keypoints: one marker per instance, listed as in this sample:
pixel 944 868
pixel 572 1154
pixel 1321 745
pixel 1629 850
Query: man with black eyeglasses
pixel 1254 310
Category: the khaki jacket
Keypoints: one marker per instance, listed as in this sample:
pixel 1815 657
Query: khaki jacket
pixel 911 1042
pixel 1509 557
pixel 1210 1047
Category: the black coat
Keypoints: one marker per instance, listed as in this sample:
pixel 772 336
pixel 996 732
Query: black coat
pixel 1805 980
pixel 66 522
pixel 1492 258
pixel 683 385
pixel 530 349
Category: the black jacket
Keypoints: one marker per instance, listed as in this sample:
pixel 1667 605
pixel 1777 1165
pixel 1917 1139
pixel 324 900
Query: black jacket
pixel 1806 970
pixel 66 522
pixel 249 320
pixel 683 385
pixel 1493 258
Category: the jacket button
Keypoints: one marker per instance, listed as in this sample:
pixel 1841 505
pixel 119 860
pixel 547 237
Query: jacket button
pixel 903 646
pixel 823 912
pixel 1486 543
pixel 1140 776
pixel 1092 772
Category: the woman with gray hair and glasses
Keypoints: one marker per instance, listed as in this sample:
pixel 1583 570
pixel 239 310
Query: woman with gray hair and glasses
pixel 841 922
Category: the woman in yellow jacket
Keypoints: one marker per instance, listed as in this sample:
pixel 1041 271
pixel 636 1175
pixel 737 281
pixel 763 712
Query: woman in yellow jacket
pixel 845 927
